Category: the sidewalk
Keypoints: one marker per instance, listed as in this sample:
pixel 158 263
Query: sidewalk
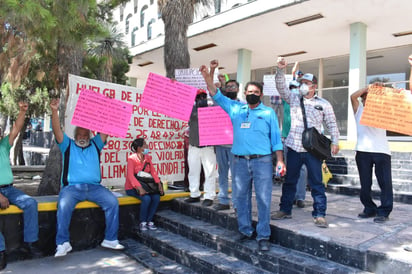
pixel 347 236
pixel 98 260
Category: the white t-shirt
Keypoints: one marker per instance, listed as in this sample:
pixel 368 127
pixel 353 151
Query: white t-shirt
pixel 370 139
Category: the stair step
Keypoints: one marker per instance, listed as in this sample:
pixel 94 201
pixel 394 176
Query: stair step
pixel 153 260
pixel 193 254
pixel 278 260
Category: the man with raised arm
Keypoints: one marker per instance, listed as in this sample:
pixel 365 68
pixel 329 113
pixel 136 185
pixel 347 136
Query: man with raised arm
pixel 256 136
pixel 11 195
pixel 80 181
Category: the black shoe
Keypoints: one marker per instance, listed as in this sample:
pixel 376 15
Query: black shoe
pixel 264 245
pixel 192 200
pixel 300 203
pixel 221 207
pixel 207 202
pixel 364 215
pixel 31 250
pixel 243 238
pixel 3 260
pixel 380 219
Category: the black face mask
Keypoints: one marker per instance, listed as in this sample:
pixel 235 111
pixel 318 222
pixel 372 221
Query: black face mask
pixel 231 95
pixel 201 103
pixel 252 99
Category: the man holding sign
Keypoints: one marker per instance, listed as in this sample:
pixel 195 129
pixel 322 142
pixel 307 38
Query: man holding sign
pixel 80 181
pixel 256 136
pixel 372 149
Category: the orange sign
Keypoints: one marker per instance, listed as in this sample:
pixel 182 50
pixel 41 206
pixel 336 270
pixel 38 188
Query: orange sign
pixel 388 108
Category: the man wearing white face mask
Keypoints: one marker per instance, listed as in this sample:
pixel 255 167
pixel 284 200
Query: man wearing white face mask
pixel 80 181
pixel 318 110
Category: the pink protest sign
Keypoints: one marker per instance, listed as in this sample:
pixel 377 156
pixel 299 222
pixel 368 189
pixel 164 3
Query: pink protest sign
pixel 215 127
pixel 168 97
pixel 100 113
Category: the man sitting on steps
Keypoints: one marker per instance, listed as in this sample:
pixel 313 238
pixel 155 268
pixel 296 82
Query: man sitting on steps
pixel 80 181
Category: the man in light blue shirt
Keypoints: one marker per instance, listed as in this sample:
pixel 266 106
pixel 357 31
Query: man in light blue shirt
pixel 256 136
pixel 80 181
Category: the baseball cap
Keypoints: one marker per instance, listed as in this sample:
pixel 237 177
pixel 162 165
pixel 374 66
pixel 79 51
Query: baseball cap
pixel 309 77
pixel 299 73
pixel 200 91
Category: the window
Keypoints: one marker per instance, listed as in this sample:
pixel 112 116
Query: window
pixel 128 23
pixel 142 15
pixel 135 6
pixel 121 13
pixel 218 5
pixel 133 35
pixel 149 29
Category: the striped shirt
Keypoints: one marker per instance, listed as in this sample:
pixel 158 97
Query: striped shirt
pixel 318 110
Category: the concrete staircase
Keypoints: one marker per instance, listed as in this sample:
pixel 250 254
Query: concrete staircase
pixel 195 239
pixel 346 178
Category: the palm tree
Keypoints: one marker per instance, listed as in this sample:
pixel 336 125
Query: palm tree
pixel 177 15
pixel 108 47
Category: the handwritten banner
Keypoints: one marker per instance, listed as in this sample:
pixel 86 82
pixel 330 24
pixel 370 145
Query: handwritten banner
pixel 389 109
pixel 164 135
pixel 193 77
pixel 168 97
pixel 269 84
pixel 100 113
pixel 215 127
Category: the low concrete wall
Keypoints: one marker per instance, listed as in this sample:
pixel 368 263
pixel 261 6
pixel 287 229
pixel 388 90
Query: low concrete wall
pixel 86 228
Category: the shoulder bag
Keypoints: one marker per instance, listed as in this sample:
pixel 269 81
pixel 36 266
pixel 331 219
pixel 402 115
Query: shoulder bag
pixel 314 142
pixel 147 182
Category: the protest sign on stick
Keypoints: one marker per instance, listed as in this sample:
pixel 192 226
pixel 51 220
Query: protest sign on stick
pixel 168 97
pixel 100 113
pixel 215 127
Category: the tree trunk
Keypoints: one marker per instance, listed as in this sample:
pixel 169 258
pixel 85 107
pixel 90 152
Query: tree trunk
pixel 50 182
pixel 3 124
pixel 70 61
pixel 176 15
pixel 18 157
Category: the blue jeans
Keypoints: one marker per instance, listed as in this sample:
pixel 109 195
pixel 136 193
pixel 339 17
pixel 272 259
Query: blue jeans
pixel 301 185
pixel 72 194
pixel 365 162
pixel 148 206
pixel 30 214
pixel 224 158
pixel 295 160
pixel 260 172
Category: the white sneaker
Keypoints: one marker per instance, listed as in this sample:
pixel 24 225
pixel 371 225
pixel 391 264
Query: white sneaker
pixel 151 226
pixel 112 245
pixel 143 226
pixel 63 249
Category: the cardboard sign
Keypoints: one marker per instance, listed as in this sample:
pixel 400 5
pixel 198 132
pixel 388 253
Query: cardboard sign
pixel 100 113
pixel 164 135
pixel 215 127
pixel 168 97
pixel 388 108
pixel 269 84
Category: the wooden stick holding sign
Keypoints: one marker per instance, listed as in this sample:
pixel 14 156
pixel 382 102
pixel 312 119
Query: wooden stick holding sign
pixel 388 108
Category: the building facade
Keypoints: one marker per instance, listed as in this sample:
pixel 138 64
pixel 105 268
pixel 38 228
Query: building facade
pixel 345 43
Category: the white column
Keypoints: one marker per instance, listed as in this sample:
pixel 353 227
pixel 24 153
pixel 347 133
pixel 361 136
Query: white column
pixel 357 69
pixel 244 60
pixel 320 78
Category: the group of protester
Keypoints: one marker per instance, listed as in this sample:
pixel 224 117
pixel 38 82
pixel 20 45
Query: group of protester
pixel 256 137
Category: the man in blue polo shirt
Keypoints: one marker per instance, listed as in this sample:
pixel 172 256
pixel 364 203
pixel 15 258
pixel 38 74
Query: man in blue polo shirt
pixel 80 181
pixel 256 136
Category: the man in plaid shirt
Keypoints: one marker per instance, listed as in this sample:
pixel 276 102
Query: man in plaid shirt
pixel 318 110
